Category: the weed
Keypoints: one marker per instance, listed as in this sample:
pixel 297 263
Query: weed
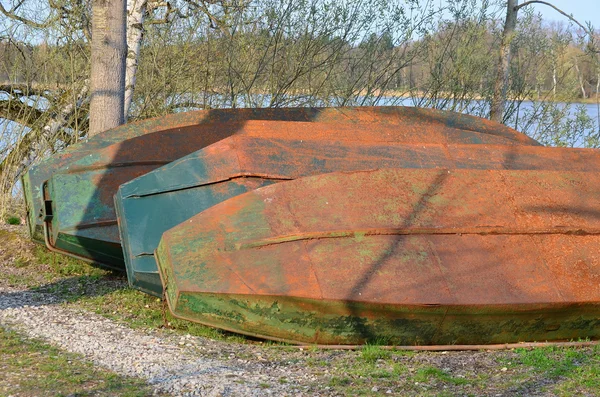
pixel 339 381
pixel 13 220
pixel 381 374
pixel 424 374
pixel 316 362
pixel 372 353
pixel 21 262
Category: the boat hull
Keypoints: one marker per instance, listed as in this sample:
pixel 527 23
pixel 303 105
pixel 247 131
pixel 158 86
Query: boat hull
pixel 240 163
pixel 81 221
pixel 428 257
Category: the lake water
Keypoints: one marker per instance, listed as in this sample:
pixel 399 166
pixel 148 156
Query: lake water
pixel 553 124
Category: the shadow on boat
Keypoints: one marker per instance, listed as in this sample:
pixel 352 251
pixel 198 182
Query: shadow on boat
pixel 360 324
pixel 582 211
pixel 510 278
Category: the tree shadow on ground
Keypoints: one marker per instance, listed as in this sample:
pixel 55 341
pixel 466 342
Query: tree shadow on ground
pixel 69 289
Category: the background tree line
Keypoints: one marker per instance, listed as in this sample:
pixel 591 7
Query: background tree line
pixel 188 54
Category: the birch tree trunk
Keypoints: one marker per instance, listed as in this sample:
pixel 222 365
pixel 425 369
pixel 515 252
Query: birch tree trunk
pixel 579 78
pixel 554 79
pixel 598 103
pixel 136 13
pixel 107 80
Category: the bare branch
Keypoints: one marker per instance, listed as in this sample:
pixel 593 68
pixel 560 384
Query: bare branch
pixel 22 90
pixel 20 112
pixel 12 15
pixel 50 130
pixel 168 12
pixel 570 17
pixel 187 105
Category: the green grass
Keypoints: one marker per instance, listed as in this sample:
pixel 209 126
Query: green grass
pixel 32 368
pixel 572 370
pixel 372 353
pixel 340 381
pixel 64 266
pixel 425 374
pixel 13 220
pixel 553 361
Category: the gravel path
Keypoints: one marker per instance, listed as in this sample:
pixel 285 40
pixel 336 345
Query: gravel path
pixel 173 364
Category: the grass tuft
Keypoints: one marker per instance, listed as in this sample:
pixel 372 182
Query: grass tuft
pixel 372 353
pixel 424 374
pixel 13 220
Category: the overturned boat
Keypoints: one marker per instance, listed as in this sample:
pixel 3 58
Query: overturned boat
pixel 159 200
pixel 407 257
pixel 75 202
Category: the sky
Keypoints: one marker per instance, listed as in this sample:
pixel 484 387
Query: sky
pixel 582 10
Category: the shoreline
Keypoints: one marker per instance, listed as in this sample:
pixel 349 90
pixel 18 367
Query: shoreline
pixel 420 94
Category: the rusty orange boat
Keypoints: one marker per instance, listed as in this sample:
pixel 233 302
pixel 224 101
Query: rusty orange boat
pixel 408 257
pixel 73 192
pixel 167 196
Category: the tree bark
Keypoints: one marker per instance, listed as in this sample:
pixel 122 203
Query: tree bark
pixel 136 13
pixel 598 104
pixel 501 82
pixel 579 78
pixel 107 79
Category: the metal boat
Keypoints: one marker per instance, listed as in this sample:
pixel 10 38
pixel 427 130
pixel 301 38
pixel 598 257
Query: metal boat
pixel 400 256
